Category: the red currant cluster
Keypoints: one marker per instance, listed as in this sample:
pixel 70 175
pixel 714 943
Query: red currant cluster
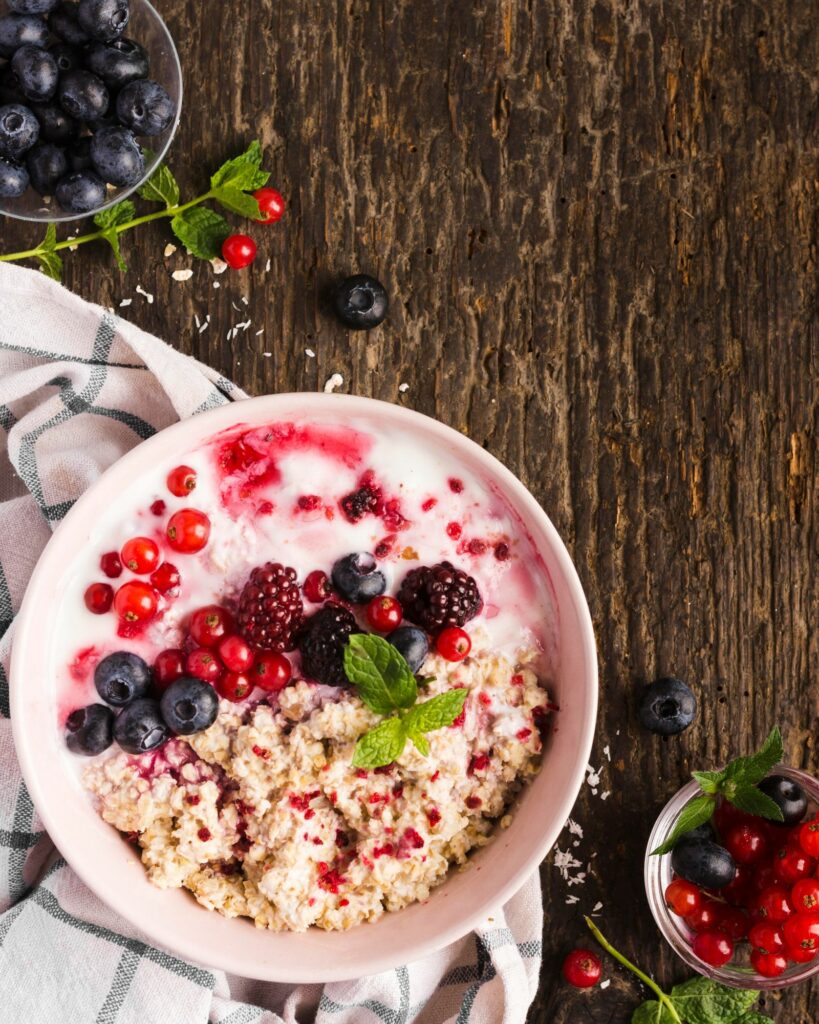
pixel 239 251
pixel 137 601
pixel 772 903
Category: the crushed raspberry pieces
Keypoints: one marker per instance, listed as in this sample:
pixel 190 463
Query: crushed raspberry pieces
pixel 473 802
pixel 309 502
pixel 204 834
pixel 413 838
pixel 435 776
pixel 476 546
pixel 192 799
pixel 361 773
pixel 244 809
pixel 479 763
pixel 484 698
pixel 433 815
pixel 387 850
pixel 311 901
pixel 344 903
pixel 158 507
pixel 385 769
pixel 300 802
pixel 309 813
pixel 398 790
pixel 260 752
pixel 330 879
pixel 523 734
pixel 317 841
pixel 376 798
pixel 342 839
pixel 455 485
pixel 502 551
pixel 367 862
pixel 517 679
pixel 359 503
pixel 453 530
pixel 429 504
pixel 333 797
pixel 265 508
pixel 384 546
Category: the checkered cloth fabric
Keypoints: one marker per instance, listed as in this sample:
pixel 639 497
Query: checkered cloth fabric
pixel 78 388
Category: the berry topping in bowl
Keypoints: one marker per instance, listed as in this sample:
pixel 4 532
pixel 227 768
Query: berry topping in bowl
pixel 139 727
pixel 122 677
pixel 440 595
pixel 210 625
pixel 188 706
pixel 135 601
pixel 89 730
pixel 357 578
pixel 188 531
pixel 270 607
pixel 413 645
pixel 321 644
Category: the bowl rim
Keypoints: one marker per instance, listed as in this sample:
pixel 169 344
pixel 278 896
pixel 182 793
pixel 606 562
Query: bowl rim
pixel 657 873
pixel 202 426
pixel 64 217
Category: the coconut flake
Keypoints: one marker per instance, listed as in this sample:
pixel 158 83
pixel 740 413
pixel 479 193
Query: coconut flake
pixel 219 266
pixel 141 291
pixel 403 387
pixel 170 249
pixel 182 275
pixel 126 302
pixel 333 382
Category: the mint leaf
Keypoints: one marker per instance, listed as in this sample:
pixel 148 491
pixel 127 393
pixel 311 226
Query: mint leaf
pixel 695 813
pixel 703 1001
pixel 115 215
pixel 748 771
pixel 202 231
pixel 112 238
pixel 381 745
pixel 50 263
pixel 380 673
pixel 709 781
pixel 754 801
pixel 754 1017
pixel 238 202
pixel 652 1012
pixel 436 712
pixel 243 172
pixel 161 187
pixel 420 742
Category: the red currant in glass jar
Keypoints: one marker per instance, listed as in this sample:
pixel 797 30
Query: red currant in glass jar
pixel 714 948
pixel 768 965
pixel 682 897
pixel 805 896
pixel 747 842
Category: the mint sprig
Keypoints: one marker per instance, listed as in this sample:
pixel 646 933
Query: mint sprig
pixel 698 1001
pixel 198 227
pixel 738 783
pixel 386 684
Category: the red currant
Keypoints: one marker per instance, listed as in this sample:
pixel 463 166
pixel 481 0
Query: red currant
pixel 805 896
pixel 682 897
pixel 238 251
pixel 582 968
pixel 800 956
pixel 204 665
pixel 209 625
pixel 801 931
pixel 384 614
pixel 188 530
pixel 733 921
pixel 140 555
pixel 316 586
pixel 714 948
pixel 726 816
pixel 736 891
pixel 769 965
pixel 271 672
pixel 111 565
pixel 166 579
pixel 773 904
pixel 764 878
pixel 271 205
pixel 236 653
pixel 453 643
pixel 766 937
pixel 705 918
pixel 809 838
pixel 99 597
pixel 181 481
pixel 747 843
pixel 791 863
pixel 234 686
pixel 135 601
pixel 168 666
pixel 158 507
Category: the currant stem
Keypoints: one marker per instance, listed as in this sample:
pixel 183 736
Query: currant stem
pixel 94 236
pixel 655 988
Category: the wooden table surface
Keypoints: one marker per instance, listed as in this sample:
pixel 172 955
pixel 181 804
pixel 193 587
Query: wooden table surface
pixel 597 224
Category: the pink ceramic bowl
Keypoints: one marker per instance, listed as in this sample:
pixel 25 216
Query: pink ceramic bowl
pixel 172 919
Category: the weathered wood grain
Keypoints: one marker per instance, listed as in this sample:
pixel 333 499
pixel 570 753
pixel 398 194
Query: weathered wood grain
pixel 597 221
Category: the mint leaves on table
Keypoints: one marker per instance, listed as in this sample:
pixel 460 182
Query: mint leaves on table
pixel 698 1001
pixel 738 783
pixel 385 683
pixel 199 228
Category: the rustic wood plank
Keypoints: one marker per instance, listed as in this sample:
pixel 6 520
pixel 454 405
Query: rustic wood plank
pixel 597 222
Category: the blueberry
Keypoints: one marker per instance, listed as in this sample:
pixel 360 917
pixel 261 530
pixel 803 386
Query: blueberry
pixel 788 796
pixel 703 863
pixel 116 157
pixel 55 124
pixel 32 6
pixel 121 678
pixel 104 19
pixel 356 578
pixel 13 179
pixel 10 87
pixel 37 73
pixel 19 130
pixel 82 95
pixel 46 164
pixel 667 707
pixel 705 831
pixel 412 643
pixel 89 730
pixel 18 30
pixel 360 302
pixel 64 24
pixel 68 58
pixel 117 63
pixel 139 727
pixel 79 154
pixel 145 107
pixel 189 705
pixel 80 192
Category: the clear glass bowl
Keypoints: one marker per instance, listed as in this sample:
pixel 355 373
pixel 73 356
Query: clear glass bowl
pixel 658 874
pixel 151 32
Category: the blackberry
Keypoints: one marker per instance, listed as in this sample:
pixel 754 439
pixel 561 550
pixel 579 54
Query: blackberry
pixel 360 503
pixel 322 644
pixel 438 596
pixel 270 607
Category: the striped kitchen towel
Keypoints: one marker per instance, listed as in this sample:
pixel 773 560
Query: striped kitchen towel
pixel 78 388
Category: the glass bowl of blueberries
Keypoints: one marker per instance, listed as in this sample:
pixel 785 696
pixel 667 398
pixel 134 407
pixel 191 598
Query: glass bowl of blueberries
pixel 737 898
pixel 90 96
